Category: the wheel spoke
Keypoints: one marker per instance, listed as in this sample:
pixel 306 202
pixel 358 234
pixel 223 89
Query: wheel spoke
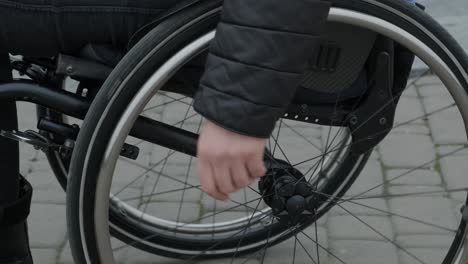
pixel 178 99
pixel 277 136
pixel 156 235
pixel 216 244
pixel 147 170
pixel 366 197
pixel 294 250
pixel 323 248
pixel 302 136
pixel 332 144
pixel 157 194
pixel 317 238
pixel 306 251
pixel 383 236
pixel 400 216
pixel 341 201
pixel 161 105
pixel 245 230
pixel 408 172
pixel 187 174
pixel 277 145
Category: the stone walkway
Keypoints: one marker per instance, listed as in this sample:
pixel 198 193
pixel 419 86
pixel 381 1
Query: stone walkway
pixel 407 147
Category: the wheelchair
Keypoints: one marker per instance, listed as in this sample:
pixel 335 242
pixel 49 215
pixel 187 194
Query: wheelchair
pixel 123 144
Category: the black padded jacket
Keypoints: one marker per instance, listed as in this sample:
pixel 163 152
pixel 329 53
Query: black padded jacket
pixel 259 55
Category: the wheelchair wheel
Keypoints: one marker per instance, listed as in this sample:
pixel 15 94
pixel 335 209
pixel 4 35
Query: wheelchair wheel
pixel 386 211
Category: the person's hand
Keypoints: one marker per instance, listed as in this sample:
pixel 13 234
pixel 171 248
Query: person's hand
pixel 228 161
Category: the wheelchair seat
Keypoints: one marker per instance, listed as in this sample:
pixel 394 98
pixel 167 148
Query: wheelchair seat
pixel 337 71
pixel 103 54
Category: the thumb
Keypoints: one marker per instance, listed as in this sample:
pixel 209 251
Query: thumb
pixel 256 168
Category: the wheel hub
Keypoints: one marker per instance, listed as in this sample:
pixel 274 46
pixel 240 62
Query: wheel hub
pixel 287 192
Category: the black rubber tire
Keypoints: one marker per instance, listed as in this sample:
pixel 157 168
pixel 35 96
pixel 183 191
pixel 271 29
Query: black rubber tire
pixel 146 56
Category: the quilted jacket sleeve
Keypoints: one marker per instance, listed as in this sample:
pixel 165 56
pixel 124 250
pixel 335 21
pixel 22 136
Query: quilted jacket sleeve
pixel 257 59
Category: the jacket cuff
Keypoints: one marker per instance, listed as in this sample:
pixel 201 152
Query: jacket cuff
pixel 236 114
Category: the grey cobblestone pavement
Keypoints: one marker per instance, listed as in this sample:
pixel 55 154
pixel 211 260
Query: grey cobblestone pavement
pixel 422 140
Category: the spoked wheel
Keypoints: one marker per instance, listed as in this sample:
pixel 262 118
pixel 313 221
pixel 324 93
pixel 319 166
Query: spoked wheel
pixel 404 207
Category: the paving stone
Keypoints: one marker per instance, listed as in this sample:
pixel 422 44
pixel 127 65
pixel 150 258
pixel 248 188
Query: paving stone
pixel 189 212
pixel 48 226
pixel 452 150
pixel 25 167
pixel 375 155
pixel 417 191
pixel 125 173
pixel 424 241
pixel 364 228
pixel 414 177
pixel 241 260
pixel 40 166
pixel 409 109
pixel 171 189
pixel 363 252
pixel 323 220
pixel 434 210
pixel 49 196
pixel 454 169
pixel 437 104
pixel 435 89
pixel 130 196
pixel 211 217
pixel 447 126
pixel 332 136
pixel 410 129
pixel 180 169
pixel 67 258
pixel 428 79
pixel 410 91
pixel 370 177
pixel 239 201
pixel 283 253
pixel 66 255
pixel 407 151
pixel 30 122
pixel 44 180
pixel 153 113
pixel 369 207
pixel 43 256
pixel 176 112
pixel 459 197
pixel 299 128
pixel 426 255
pixel 135 256
pixel 296 148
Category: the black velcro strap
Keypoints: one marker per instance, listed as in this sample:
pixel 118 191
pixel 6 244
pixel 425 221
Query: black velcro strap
pixel 17 211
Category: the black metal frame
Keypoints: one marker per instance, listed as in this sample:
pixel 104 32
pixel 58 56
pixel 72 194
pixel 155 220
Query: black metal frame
pixel 368 129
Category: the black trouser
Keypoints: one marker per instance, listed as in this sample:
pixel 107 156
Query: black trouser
pixel 13 238
pixel 43 28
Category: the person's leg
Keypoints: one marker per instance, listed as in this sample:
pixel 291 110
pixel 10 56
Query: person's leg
pixel 66 26
pixel 9 163
pixel 14 245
